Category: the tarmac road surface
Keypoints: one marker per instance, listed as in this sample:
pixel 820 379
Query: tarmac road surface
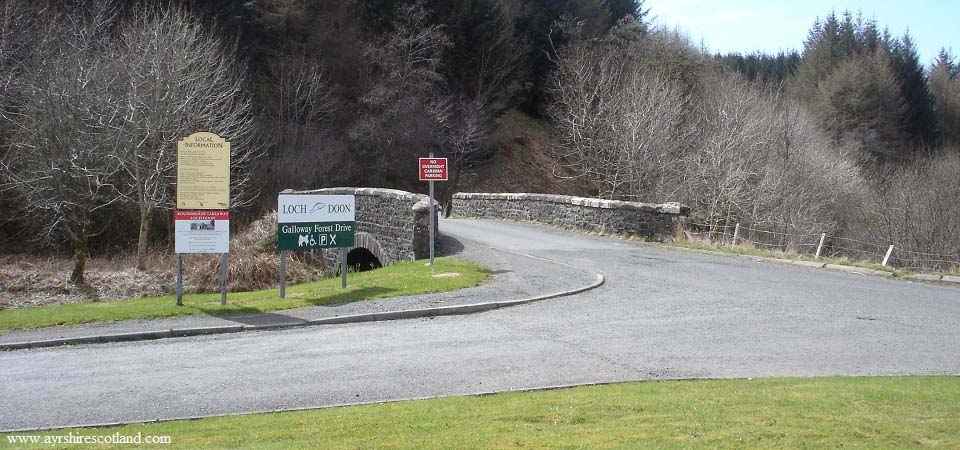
pixel 662 313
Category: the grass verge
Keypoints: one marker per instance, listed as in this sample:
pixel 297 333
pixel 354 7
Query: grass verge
pixel 751 251
pixel 871 412
pixel 408 278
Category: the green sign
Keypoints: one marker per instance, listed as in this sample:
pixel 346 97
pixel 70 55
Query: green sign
pixel 315 235
pixel 310 221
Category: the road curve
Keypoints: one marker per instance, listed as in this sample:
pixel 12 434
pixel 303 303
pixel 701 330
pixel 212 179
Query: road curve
pixel 662 313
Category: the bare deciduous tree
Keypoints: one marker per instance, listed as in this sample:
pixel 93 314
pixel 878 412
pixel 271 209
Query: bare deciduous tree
pixel 806 182
pixel 100 119
pixel 63 156
pixel 465 131
pixel 299 107
pixel 16 30
pixel 401 112
pixel 735 132
pixel 734 152
pixel 619 121
pixel 761 161
pixel 916 211
pixel 179 77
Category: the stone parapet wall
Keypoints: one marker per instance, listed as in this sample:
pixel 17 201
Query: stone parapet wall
pixel 654 221
pixel 392 224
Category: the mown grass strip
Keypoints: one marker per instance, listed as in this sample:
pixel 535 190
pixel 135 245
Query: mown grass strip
pixel 870 412
pixel 408 278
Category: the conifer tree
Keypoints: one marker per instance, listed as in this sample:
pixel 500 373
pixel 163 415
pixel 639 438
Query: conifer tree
pixel 484 57
pixel 945 88
pixel 945 60
pixel 870 37
pixel 919 120
pixel 820 55
pixel 860 104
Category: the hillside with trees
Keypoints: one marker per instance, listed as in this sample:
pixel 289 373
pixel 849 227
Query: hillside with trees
pixel 850 135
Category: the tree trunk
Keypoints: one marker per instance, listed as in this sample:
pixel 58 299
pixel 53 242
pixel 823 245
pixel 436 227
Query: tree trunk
pixel 171 232
pixel 81 249
pixel 452 187
pixel 146 213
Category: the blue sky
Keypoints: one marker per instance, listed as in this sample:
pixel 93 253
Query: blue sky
pixel 748 25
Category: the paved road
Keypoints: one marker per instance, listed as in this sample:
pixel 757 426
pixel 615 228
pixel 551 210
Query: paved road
pixel 663 313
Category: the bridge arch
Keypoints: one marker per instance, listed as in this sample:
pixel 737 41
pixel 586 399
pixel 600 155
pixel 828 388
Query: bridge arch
pixel 365 247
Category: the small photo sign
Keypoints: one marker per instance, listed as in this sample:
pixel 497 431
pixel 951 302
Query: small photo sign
pixel 202 231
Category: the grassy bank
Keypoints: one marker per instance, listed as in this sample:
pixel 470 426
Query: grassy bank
pixel 880 412
pixel 408 278
pixel 751 251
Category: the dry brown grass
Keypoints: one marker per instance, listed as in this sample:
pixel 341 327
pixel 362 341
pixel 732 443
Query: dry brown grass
pixel 27 281
pixel 254 264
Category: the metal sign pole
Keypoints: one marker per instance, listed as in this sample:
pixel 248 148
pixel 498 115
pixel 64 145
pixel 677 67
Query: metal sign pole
pixel 223 278
pixel 283 274
pixel 298 227
pixel 432 219
pixel 343 267
pixel 179 280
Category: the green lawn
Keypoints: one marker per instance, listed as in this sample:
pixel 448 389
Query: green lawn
pixel 873 412
pixel 408 278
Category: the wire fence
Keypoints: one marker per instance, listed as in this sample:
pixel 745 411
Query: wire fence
pixel 822 245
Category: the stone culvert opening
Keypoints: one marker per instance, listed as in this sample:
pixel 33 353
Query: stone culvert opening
pixel 361 260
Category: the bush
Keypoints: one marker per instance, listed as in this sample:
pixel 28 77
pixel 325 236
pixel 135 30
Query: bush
pixel 914 207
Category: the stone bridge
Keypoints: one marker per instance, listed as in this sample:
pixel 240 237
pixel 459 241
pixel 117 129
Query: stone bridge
pixel 655 222
pixel 394 225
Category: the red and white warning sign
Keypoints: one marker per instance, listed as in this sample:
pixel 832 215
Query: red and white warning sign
pixel 433 169
pixel 202 231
